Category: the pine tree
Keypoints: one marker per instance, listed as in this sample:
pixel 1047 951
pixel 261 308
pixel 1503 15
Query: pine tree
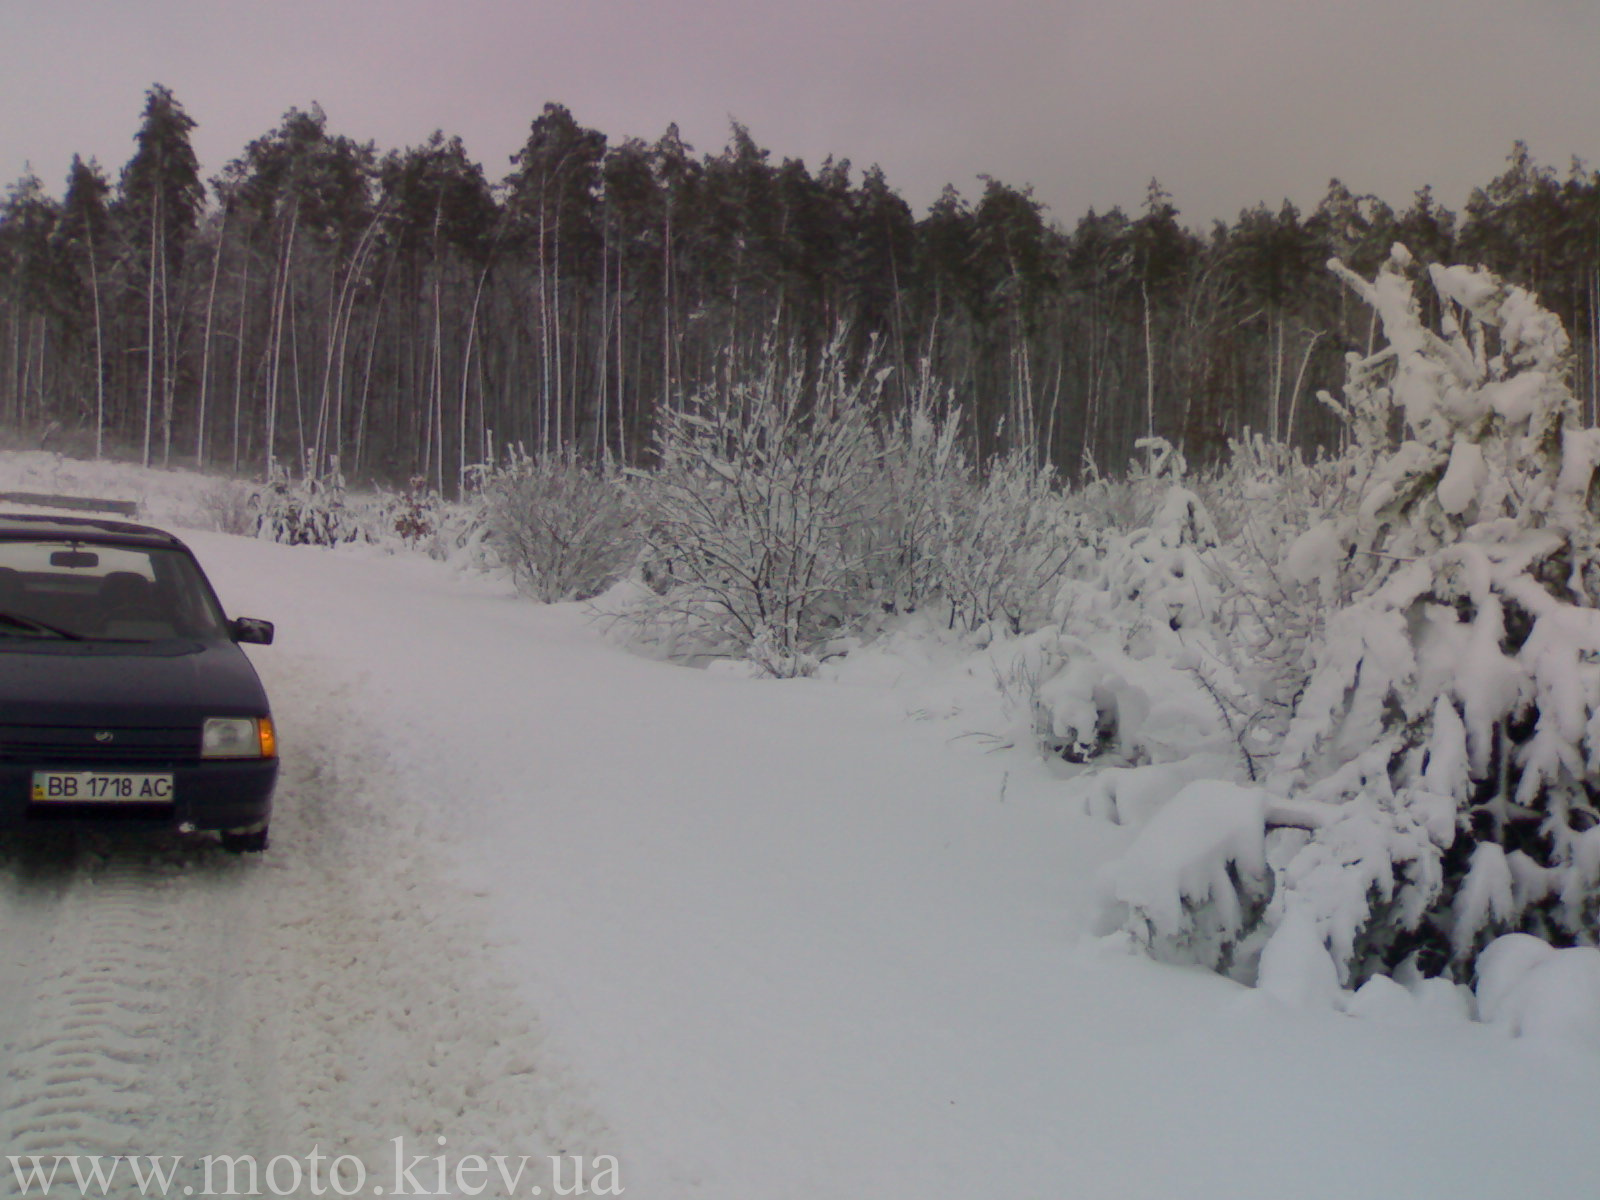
pixel 161 200
pixel 85 224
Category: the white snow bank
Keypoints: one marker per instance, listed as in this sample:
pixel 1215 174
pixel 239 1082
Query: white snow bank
pixel 1296 967
pixel 1132 795
pixel 1532 990
pixel 1197 869
pixel 1419 1005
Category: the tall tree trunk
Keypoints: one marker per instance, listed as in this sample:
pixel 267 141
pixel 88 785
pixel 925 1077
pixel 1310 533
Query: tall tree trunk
pixel 294 369
pixel 544 335
pixel 205 345
pixel 599 445
pixel 622 393
pixel 1299 380
pixel 150 336
pixel 238 354
pixel 168 357
pixel 666 309
pixel 1149 366
pixel 99 355
pixel 366 373
pixel 561 434
pixel 275 352
pixel 436 415
pixel 466 375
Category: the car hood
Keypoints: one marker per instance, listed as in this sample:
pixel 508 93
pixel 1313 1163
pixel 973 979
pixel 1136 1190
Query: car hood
pixel 125 684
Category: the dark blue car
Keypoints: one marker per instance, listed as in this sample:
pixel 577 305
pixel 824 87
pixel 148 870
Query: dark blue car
pixel 125 699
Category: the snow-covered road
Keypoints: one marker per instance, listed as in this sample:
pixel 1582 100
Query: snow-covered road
pixel 756 939
pixel 792 943
pixel 170 999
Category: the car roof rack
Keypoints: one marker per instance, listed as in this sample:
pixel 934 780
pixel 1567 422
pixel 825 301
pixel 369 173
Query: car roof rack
pixel 122 508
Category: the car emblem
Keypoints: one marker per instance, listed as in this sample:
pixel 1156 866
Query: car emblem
pixel 104 735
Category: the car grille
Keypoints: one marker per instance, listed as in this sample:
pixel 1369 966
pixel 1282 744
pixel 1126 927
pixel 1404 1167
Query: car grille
pixel 68 746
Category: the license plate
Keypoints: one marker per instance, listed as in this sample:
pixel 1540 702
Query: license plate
pixel 106 787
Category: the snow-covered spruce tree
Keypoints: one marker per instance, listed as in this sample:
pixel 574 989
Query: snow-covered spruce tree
pixel 1152 583
pixel 760 514
pixel 1443 754
pixel 1126 672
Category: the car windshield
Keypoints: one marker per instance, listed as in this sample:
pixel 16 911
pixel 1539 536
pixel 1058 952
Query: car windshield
pixel 80 591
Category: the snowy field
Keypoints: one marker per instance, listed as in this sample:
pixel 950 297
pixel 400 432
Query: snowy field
pixel 756 939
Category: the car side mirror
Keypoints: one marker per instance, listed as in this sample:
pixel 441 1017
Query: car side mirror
pixel 251 629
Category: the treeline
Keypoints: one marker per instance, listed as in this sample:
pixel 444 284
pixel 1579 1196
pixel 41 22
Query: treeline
pixel 406 315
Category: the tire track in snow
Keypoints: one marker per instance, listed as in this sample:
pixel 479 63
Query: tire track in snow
pixel 84 1074
pixel 104 1043
pixel 168 998
pixel 402 1030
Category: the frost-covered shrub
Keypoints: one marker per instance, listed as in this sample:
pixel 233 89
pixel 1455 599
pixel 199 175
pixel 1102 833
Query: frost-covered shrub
pixel 1087 701
pixel 986 545
pixel 760 517
pixel 565 530
pixel 414 515
pixel 308 511
pixel 1002 542
pixel 1134 674
pixel 925 481
pixel 1271 609
pixel 420 519
pixel 228 506
pixel 1133 584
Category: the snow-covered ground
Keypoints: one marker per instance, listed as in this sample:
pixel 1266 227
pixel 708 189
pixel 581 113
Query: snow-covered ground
pixel 756 939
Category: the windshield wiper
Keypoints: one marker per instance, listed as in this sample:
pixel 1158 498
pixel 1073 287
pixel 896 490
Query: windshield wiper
pixel 33 626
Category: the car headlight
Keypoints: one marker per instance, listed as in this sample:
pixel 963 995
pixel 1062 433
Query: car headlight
pixel 238 737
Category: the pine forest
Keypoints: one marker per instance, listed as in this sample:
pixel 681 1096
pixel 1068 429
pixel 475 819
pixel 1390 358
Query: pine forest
pixel 404 315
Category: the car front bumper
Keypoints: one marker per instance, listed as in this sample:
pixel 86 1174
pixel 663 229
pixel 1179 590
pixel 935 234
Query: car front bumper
pixel 220 795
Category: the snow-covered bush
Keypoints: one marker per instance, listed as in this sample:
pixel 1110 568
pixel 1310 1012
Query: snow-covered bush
pixel 1454 712
pixel 1132 674
pixel 987 545
pixel 415 513
pixel 1195 883
pixel 1272 589
pixel 1002 542
pixel 1152 586
pixel 564 529
pixel 317 509
pixel 788 509
pixel 926 481
pixel 305 511
pixel 1431 618
pixel 226 505
pixel 1086 700
pixel 419 519
pixel 761 515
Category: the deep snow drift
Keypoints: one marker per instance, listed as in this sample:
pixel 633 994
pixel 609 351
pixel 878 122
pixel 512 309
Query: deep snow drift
pixel 795 937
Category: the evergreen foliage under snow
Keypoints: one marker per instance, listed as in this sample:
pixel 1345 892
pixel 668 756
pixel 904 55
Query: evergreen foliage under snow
pixel 1431 788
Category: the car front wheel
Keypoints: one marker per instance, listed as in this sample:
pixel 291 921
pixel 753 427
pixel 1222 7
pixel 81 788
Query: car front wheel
pixel 251 841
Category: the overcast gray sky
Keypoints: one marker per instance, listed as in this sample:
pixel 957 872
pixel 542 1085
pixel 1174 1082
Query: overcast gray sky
pixel 1227 102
